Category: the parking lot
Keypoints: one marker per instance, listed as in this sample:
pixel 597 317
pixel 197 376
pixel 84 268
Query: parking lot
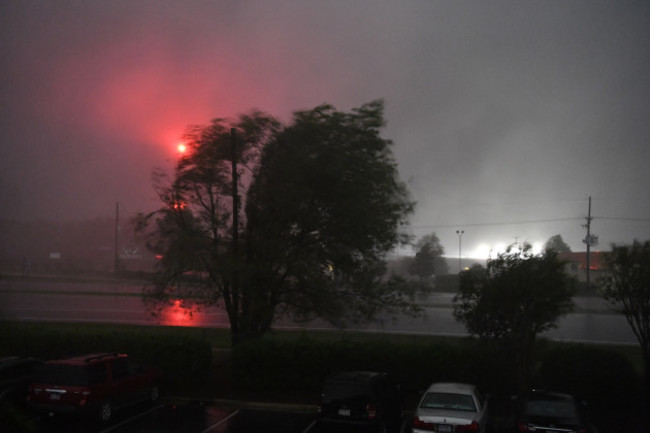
pixel 190 418
pixel 239 417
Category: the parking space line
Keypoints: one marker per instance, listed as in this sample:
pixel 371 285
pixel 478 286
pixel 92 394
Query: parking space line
pixel 128 420
pixel 313 423
pixel 213 426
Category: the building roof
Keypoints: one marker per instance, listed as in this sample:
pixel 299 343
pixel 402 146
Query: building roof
pixel 596 259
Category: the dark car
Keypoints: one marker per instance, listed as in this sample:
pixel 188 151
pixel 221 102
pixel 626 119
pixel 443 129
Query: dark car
pixel 366 398
pixel 552 412
pixel 15 375
pixel 92 385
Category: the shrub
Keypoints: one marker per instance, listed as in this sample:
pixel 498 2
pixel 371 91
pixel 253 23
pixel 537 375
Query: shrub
pixel 182 359
pixel 302 364
pixel 600 376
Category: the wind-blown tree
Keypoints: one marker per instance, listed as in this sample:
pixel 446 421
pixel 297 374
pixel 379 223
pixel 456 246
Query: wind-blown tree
pixel 557 243
pixel 193 230
pixel 323 204
pixel 627 288
pixel 518 296
pixel 322 213
pixel 429 259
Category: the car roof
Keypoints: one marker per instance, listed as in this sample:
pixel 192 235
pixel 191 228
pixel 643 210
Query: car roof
pixel 452 387
pixel 355 376
pixel 91 358
pixel 548 395
pixel 10 361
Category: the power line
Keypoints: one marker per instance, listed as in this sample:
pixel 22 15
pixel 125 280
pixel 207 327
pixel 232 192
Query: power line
pixel 539 221
pixel 505 223
pixel 623 219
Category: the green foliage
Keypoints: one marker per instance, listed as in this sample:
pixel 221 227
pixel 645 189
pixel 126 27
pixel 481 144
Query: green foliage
pixel 627 288
pixel 602 377
pixel 301 364
pixel 429 260
pixel 557 244
pixel 323 207
pixel 517 297
pixel 599 375
pixel 182 359
pixel 323 212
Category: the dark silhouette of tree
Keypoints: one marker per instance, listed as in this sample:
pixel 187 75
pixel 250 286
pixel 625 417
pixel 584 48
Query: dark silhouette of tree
pixel 627 288
pixel 518 296
pixel 429 259
pixel 557 244
pixel 322 207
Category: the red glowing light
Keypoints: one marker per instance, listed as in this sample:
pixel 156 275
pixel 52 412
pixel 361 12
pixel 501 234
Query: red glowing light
pixel 178 314
pixel 182 148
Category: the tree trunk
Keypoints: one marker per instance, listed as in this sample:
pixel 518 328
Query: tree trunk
pixel 524 351
pixel 646 362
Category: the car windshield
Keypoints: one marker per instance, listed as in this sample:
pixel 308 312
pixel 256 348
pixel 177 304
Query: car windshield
pixel 558 409
pixel 441 400
pixel 71 375
pixel 338 391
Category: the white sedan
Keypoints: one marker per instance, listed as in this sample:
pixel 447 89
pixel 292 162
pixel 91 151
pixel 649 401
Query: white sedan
pixel 451 408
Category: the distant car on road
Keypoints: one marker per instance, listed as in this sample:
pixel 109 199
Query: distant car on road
pixel 552 412
pixel 16 374
pixel 451 408
pixel 365 398
pixel 92 385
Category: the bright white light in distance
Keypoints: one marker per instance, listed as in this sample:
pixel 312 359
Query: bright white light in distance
pixel 485 251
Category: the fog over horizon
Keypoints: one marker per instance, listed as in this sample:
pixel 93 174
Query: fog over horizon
pixel 506 116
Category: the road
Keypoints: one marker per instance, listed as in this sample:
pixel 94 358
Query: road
pixel 34 300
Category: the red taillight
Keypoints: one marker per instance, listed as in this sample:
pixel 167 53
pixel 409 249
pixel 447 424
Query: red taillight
pixel 523 428
pixel 423 425
pixel 470 428
pixel 371 412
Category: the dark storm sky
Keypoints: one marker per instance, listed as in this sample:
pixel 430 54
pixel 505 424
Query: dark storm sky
pixel 506 115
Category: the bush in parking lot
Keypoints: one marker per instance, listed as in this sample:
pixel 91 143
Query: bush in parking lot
pixel 600 376
pixel 182 359
pixel 302 363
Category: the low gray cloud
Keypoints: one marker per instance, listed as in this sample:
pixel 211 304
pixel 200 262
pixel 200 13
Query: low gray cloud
pixel 506 116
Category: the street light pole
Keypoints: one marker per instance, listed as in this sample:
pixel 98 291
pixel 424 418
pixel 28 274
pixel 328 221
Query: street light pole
pixel 460 236
pixel 116 263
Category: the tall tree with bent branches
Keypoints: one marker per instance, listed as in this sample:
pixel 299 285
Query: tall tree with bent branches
pixel 627 288
pixel 517 297
pixel 322 207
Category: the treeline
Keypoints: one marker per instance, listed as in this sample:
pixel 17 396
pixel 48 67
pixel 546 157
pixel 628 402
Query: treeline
pixel 300 364
pixel 184 359
pixel 292 362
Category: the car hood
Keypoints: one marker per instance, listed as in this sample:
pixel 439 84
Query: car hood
pixel 445 416
pixel 552 423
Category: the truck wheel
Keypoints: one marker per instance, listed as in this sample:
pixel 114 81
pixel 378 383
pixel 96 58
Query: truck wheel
pixel 105 412
pixel 154 395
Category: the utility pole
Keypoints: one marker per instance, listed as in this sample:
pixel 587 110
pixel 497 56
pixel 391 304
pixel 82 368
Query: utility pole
pixel 116 264
pixel 589 240
pixel 460 236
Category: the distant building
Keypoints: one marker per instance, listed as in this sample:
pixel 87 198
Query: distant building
pixel 577 264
